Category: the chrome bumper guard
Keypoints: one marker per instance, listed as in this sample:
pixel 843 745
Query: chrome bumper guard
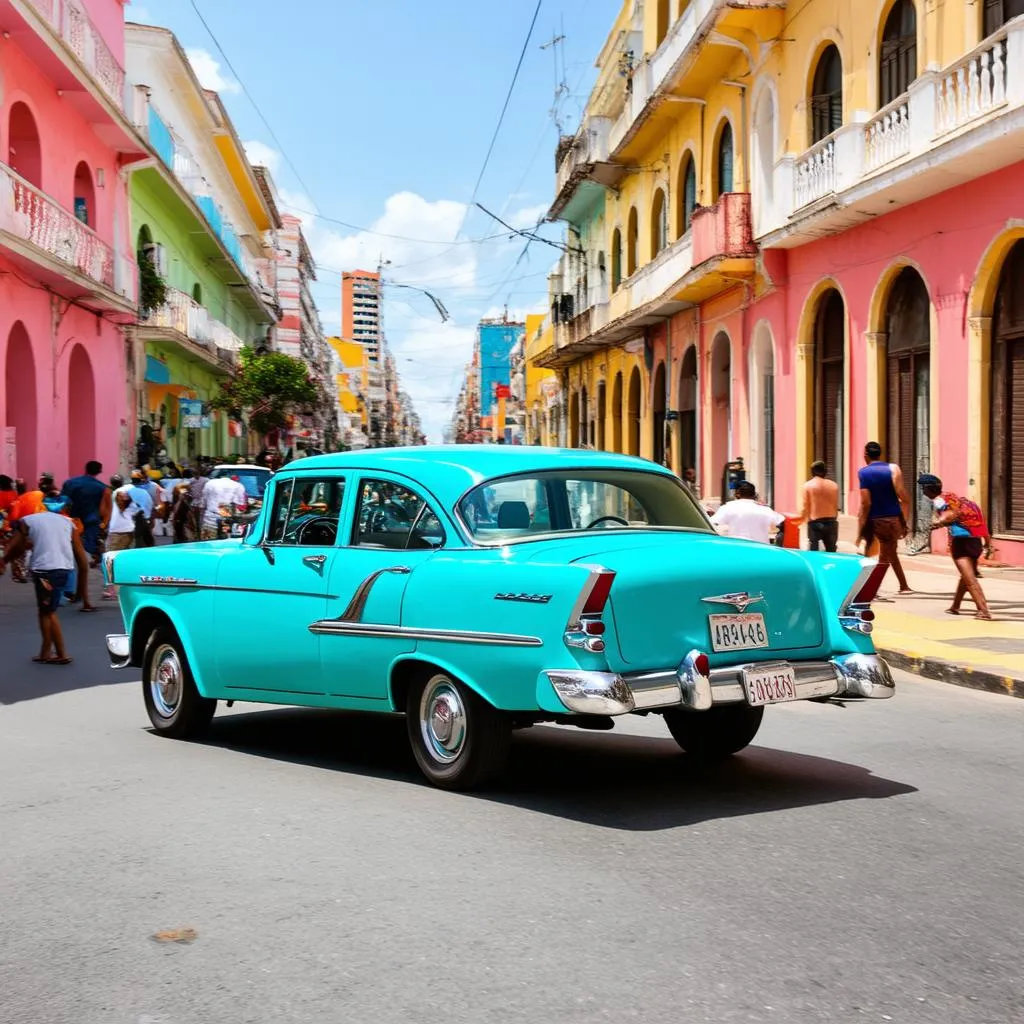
pixel 849 677
pixel 119 649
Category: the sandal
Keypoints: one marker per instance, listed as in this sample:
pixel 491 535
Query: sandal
pixel 42 661
pixel 86 610
pixel 58 661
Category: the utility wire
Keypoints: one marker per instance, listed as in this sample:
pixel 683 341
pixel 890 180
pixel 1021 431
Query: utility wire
pixel 501 116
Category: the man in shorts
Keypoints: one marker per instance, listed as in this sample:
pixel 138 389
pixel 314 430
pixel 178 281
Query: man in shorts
pixel 56 552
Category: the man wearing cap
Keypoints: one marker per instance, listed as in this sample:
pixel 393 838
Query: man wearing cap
pixel 56 551
pixel 967 533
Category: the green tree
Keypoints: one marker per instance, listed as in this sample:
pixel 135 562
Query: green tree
pixel 267 389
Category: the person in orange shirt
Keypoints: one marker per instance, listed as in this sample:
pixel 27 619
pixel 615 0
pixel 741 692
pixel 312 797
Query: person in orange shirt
pixel 821 509
pixel 31 502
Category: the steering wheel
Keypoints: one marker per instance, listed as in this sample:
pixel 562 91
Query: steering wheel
pixel 321 530
pixel 607 519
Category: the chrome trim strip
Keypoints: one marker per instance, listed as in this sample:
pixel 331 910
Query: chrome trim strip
pixel 167 581
pixel 741 600
pixel 356 607
pixel 337 627
pixel 249 590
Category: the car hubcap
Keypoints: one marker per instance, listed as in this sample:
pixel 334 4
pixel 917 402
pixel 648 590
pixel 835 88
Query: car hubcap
pixel 166 683
pixel 442 720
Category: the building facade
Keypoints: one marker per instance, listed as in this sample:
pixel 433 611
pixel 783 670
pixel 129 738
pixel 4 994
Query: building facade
pixel 204 225
pixel 812 236
pixel 68 280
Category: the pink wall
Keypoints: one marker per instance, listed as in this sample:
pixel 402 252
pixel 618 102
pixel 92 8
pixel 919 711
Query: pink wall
pixel 109 16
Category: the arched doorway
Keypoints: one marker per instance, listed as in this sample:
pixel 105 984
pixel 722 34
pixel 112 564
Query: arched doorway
pixel 658 420
pixel 662 19
pixel 633 414
pixel 908 330
pixel 724 161
pixel 1006 458
pixel 688 410
pixel 574 420
pixel 764 159
pixel 81 410
pixel 20 375
pixel 616 259
pixel 617 413
pixel 827 94
pixel 85 195
pixel 659 223
pixel 585 435
pixel 897 65
pixel 599 419
pixel 24 151
pixel 830 386
pixel 721 403
pixel 632 243
pixel 762 412
pixel 687 193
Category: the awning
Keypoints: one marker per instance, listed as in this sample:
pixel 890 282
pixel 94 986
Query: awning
pixel 158 393
pixel 156 371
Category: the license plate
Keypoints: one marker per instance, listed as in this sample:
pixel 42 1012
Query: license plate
pixel 737 632
pixel 769 685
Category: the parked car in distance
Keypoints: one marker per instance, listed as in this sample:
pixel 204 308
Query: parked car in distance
pixel 483 589
pixel 253 478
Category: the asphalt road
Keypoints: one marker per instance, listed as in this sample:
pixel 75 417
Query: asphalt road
pixel 858 864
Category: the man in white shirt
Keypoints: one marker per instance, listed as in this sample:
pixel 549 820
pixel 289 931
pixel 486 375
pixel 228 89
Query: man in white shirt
pixel 219 492
pixel 129 500
pixel 743 517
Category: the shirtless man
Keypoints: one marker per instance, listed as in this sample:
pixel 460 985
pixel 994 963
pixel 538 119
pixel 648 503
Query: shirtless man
pixel 821 509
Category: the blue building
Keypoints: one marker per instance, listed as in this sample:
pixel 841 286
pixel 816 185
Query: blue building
pixel 495 341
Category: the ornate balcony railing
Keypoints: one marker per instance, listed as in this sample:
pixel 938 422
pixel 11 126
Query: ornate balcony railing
pixel 815 173
pixel 183 314
pixel 724 229
pixel 973 86
pixel 887 134
pixel 31 215
pixel 70 20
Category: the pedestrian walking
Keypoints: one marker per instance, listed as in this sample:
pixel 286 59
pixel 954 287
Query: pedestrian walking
pixel 968 532
pixel 90 505
pixel 223 492
pixel 690 482
pixel 884 509
pixel 747 518
pixel 196 488
pixel 821 509
pixel 130 503
pixel 56 552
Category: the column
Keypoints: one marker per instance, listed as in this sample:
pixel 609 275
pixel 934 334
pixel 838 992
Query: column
pixel 876 347
pixel 979 384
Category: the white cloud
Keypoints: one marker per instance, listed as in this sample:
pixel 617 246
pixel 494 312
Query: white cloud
pixel 208 71
pixel 262 155
pixel 529 216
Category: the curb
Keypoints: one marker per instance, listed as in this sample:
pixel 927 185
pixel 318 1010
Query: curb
pixel 956 675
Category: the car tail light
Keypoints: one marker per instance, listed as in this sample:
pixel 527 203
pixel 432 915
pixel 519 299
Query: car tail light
pixel 593 627
pixel 702 664
pixel 600 588
pixel 585 628
pixel 869 587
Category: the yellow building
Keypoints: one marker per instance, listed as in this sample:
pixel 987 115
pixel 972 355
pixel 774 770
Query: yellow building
pixel 542 391
pixel 353 382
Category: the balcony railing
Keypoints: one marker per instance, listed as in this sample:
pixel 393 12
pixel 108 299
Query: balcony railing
pixel 183 314
pixel 887 134
pixel 589 147
pixel 723 229
pixel 972 87
pixel 70 20
pixel 31 215
pixel 816 172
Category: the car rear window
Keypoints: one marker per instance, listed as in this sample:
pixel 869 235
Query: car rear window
pixel 527 506
pixel 254 482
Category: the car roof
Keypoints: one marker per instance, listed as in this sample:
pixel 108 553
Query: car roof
pixel 451 470
pixel 241 465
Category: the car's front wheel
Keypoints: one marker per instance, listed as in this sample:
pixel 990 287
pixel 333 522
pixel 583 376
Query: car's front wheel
pixel 176 708
pixel 717 732
pixel 459 740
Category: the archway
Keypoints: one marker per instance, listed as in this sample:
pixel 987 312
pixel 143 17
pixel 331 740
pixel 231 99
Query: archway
pixel 659 223
pixel 586 434
pixel 599 419
pixel 827 94
pixel 633 414
pixel 724 161
pixel 830 386
pixel 616 259
pixel 998 13
pixel 762 411
pixel 1006 456
pixel 897 65
pixel 721 403
pixel 85 195
pixel 662 19
pixel 24 151
pixel 574 420
pixel 632 243
pixel 658 420
pixel 687 193
pixel 764 159
pixel 617 413
pixel 81 409
pixel 908 383
pixel 20 375
pixel 688 410
pixel 197 293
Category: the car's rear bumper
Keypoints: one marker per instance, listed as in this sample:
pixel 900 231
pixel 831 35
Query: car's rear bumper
pixel 850 676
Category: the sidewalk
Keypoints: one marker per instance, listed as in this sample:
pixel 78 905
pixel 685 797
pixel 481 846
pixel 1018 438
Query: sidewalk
pixel 915 633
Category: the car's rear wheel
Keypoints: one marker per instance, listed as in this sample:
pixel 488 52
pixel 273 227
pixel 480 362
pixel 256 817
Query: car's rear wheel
pixel 459 740
pixel 175 706
pixel 717 732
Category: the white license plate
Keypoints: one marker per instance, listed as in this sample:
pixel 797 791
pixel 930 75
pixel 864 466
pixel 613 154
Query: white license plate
pixel 771 685
pixel 737 632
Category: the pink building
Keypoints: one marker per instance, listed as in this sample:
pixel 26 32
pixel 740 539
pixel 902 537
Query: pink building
pixel 68 282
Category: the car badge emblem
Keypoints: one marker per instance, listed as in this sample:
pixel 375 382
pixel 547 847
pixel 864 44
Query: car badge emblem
pixel 740 601
pixel 525 598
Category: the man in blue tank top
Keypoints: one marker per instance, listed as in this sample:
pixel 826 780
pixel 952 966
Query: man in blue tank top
pixel 884 509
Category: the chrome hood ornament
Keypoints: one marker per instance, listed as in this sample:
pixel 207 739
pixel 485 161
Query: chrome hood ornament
pixel 740 601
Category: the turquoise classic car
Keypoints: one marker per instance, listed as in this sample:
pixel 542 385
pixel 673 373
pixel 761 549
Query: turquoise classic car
pixel 484 589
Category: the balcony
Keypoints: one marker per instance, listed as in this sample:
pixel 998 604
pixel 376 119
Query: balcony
pixel 952 125
pixel 585 169
pixel 189 325
pixel 68 255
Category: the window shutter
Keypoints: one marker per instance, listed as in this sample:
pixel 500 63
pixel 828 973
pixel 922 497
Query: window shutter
pixel 1015 401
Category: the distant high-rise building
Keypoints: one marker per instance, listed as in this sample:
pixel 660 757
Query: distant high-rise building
pixel 362 310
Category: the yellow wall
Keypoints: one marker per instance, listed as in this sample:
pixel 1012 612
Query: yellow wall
pixel 353 357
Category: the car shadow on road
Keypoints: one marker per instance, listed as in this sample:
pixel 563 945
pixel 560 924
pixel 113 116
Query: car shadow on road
pixel 614 780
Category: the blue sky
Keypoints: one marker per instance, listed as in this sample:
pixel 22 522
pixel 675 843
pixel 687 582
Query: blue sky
pixel 386 110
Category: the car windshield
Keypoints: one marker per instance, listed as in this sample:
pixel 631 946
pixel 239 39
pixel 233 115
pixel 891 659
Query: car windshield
pixel 525 507
pixel 253 480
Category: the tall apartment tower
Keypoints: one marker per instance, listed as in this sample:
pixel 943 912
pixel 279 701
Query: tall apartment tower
pixel 362 313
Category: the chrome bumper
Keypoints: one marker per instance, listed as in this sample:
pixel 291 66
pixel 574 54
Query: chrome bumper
pixel 119 649
pixel 849 676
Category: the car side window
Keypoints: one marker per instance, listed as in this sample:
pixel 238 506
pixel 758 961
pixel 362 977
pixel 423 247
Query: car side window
pixel 306 512
pixel 392 516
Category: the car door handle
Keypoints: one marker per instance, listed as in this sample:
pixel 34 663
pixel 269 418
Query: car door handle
pixel 314 561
